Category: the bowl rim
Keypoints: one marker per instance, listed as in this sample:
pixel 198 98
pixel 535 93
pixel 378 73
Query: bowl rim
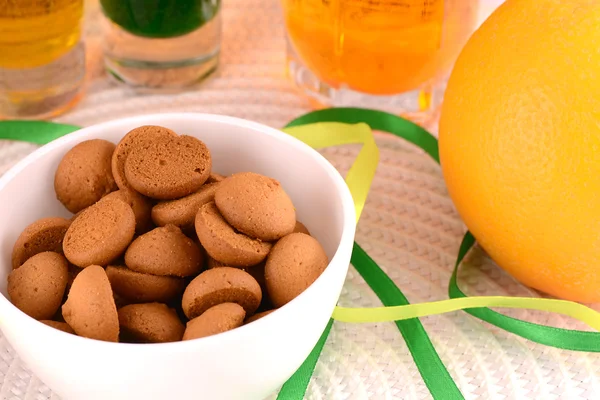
pixel 345 244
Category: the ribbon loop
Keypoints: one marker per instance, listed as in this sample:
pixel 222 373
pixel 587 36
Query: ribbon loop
pixel 361 173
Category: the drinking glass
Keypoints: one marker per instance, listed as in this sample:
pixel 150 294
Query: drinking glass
pixel 42 57
pixel 392 55
pixel 161 44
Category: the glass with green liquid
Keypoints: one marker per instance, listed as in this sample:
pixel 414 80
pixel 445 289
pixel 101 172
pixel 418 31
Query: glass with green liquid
pixel 161 44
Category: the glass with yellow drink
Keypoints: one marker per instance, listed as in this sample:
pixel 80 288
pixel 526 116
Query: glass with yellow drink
pixel 42 60
pixel 385 54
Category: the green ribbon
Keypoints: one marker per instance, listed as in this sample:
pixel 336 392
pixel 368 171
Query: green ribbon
pixel 567 339
pixel 38 132
pixel 428 362
pixel 430 366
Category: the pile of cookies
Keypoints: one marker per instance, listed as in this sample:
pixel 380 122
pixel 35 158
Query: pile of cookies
pixel 160 248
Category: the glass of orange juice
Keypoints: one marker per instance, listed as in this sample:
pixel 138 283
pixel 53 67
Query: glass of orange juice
pixel 392 55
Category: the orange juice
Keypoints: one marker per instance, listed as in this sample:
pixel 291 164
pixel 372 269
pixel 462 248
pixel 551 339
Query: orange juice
pixel 379 47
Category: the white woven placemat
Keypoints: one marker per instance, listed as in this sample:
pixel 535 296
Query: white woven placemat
pixel 409 226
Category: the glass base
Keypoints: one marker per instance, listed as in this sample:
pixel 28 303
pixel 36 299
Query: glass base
pixel 159 65
pixel 43 92
pixel 421 106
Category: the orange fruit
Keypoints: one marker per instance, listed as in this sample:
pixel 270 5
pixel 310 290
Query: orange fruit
pixel 520 143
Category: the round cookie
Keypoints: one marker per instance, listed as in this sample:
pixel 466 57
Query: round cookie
pixel 164 251
pixel 295 262
pixel 221 285
pixel 214 177
pixel 223 243
pixel 257 272
pixel 129 141
pixel 84 175
pixel 256 205
pixel 144 288
pixel 220 318
pixel 182 212
pixel 37 287
pixel 45 234
pixel 77 214
pixel 90 307
pixel 141 206
pixel 258 316
pixel 100 234
pixel 61 326
pixel 150 323
pixel 169 167
pixel 300 228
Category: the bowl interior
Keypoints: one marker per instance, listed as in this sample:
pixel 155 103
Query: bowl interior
pixel 319 195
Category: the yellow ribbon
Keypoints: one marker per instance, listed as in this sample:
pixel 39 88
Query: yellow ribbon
pixel 397 313
pixel 362 171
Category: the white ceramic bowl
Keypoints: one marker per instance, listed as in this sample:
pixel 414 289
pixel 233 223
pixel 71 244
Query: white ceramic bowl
pixel 247 363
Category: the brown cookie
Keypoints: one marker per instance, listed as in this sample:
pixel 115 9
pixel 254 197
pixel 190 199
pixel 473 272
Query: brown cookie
pixel 90 307
pixel 256 205
pixel 150 323
pixel 37 287
pixel 129 141
pixel 214 177
pixel 84 174
pixel 45 234
pixel 294 263
pixel 257 272
pixel 164 251
pixel 100 234
pixel 221 285
pixel 258 316
pixel 169 167
pixel 220 318
pixel 61 326
pixel 182 212
pixel 144 288
pixel 77 214
pixel 300 228
pixel 141 206
pixel 212 263
pixel 223 243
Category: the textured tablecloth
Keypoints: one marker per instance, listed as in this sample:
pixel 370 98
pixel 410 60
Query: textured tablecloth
pixel 409 226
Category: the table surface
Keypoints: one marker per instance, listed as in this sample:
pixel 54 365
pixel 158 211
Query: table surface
pixel 409 227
